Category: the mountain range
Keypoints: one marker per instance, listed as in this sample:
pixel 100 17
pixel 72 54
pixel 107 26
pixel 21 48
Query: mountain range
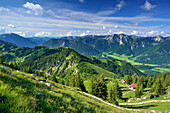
pixel 150 53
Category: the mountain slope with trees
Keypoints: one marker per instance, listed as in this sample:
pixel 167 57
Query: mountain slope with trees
pixel 64 61
pixel 17 40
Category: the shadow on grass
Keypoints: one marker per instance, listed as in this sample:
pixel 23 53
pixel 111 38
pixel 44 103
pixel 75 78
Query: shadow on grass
pixel 145 90
pixel 125 99
pixel 138 106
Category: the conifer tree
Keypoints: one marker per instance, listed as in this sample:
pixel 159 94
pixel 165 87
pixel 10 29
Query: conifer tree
pixel 79 82
pixel 117 90
pixel 111 96
pixel 102 88
pixel 134 78
pixel 114 77
pixel 146 80
pixel 158 87
pixel 1 60
pixel 94 85
pixel 127 79
pixel 15 65
pixel 72 81
pixel 153 79
pixel 6 61
pixel 139 89
pixel 149 82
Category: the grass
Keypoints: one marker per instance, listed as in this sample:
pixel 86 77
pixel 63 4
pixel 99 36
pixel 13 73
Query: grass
pixel 158 107
pixel 21 93
pixel 155 68
pixel 100 70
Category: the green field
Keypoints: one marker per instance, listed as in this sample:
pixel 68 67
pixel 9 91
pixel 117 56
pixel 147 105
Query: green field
pixel 145 68
pixel 154 107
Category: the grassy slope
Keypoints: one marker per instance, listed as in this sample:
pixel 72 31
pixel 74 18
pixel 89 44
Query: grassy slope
pixel 158 107
pixel 23 94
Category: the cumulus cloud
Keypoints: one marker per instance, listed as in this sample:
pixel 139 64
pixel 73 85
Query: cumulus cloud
pixel 83 34
pixel 152 33
pixel 119 32
pixel 35 9
pixel 2 9
pixel 148 6
pixel 21 33
pixel 134 33
pixel 82 1
pixel 11 25
pixel 43 34
pixel 69 33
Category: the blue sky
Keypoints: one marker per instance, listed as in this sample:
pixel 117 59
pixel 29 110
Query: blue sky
pixel 56 18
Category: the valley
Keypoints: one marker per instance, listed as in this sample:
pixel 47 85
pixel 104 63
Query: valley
pixel 62 79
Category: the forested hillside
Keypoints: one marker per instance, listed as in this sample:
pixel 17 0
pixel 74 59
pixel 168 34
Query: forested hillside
pixel 64 61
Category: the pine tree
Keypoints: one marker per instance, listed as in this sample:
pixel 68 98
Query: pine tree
pixel 127 79
pixel 15 65
pixel 146 80
pixel 158 87
pixel 94 85
pixel 111 96
pixel 149 82
pixel 139 89
pixel 114 77
pixel 117 90
pixel 134 78
pixel 79 82
pixel 1 60
pixel 153 79
pixel 6 61
pixel 72 81
pixel 137 92
pixel 102 88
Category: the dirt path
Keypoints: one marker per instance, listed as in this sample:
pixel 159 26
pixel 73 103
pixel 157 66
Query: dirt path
pixel 144 102
pixel 121 108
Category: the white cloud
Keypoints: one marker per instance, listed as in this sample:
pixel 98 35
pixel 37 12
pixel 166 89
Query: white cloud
pixel 35 9
pixel 134 33
pixel 83 34
pixel 2 9
pixel 20 33
pixel 118 7
pixel 148 6
pixel 81 21
pixel 69 33
pixel 119 32
pixel 153 33
pixel 11 25
pixel 117 27
pixel 82 1
pixel 43 34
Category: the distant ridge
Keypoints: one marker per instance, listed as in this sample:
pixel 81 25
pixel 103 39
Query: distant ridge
pixel 18 40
